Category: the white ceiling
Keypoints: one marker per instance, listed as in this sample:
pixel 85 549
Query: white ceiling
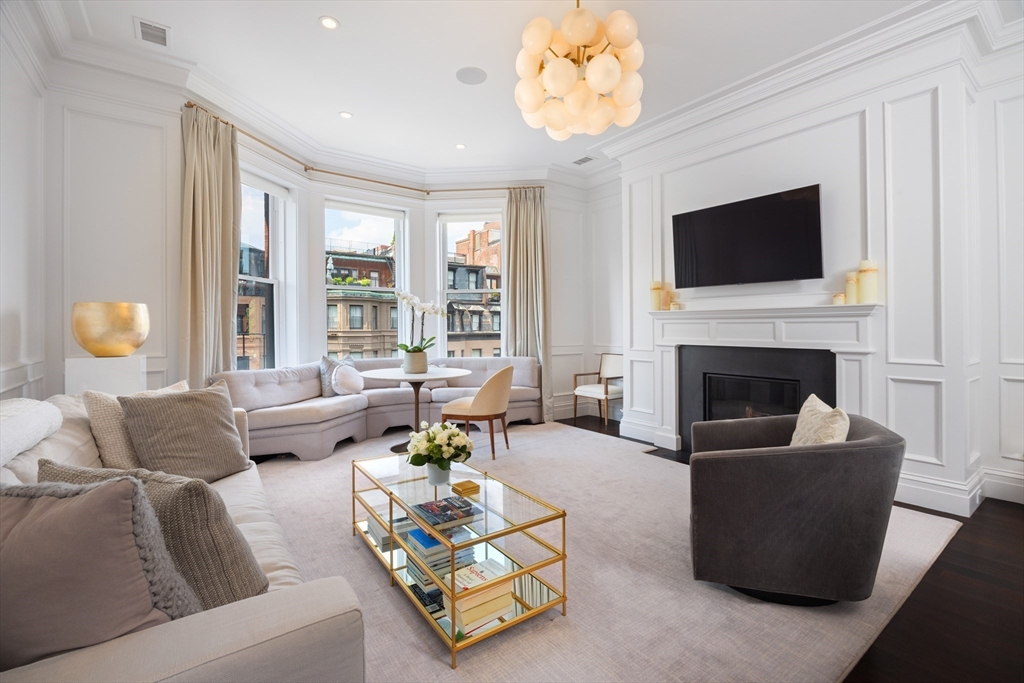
pixel 393 64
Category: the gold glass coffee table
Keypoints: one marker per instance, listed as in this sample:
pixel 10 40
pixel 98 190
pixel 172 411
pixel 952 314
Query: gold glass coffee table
pixel 518 531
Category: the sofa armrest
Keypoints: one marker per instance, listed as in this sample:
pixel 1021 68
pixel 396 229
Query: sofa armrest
pixel 309 632
pixel 752 432
pixel 242 424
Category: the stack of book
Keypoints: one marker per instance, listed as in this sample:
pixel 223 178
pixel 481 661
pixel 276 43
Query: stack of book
pixel 484 607
pixel 449 512
pixel 431 553
pixel 381 535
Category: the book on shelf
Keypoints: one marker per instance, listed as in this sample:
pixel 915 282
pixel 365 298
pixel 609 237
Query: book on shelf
pixel 442 568
pixel 471 615
pixel 428 547
pixel 382 535
pixel 449 512
pixel 467 626
pixel 489 571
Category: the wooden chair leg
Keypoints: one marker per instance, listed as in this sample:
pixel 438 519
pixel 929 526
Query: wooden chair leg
pixel 574 398
pixel 467 426
pixel 605 411
pixel 504 430
pixel 599 409
pixel 490 429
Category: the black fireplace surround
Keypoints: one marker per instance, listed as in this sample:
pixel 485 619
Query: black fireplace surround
pixel 725 382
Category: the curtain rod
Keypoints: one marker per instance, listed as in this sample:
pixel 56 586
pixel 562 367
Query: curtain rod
pixel 307 168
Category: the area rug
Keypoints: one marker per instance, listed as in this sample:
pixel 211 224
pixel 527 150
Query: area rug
pixel 634 611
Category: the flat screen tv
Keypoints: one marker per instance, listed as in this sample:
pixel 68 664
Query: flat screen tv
pixel 765 239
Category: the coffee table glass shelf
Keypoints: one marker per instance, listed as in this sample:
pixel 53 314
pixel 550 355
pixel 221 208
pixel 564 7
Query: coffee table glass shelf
pixel 516 529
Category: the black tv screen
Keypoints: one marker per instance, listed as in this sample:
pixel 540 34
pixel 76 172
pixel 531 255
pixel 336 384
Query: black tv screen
pixel 765 239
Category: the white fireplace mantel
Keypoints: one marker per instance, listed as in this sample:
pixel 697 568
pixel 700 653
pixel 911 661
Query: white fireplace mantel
pixel 835 328
pixel 844 330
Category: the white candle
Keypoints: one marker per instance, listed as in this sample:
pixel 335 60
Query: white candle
pixel 838 299
pixel 851 288
pixel 867 288
pixel 655 296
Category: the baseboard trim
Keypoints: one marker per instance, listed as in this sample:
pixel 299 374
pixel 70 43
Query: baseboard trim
pixel 638 431
pixel 1003 485
pixel 944 495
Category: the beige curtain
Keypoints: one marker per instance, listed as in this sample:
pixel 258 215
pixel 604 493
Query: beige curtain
pixel 210 241
pixel 527 310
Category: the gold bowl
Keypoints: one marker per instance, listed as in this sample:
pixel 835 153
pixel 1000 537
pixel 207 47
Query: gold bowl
pixel 105 328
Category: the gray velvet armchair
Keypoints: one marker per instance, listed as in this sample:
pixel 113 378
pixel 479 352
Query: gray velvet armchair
pixel 800 524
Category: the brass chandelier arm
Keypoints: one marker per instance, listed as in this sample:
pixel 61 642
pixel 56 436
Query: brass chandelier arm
pixel 307 168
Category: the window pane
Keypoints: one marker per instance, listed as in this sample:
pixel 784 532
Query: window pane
pixel 332 317
pixel 360 249
pixel 477 353
pixel 254 255
pixel 356 332
pixel 474 263
pixel 470 323
pixel 359 258
pixel 254 325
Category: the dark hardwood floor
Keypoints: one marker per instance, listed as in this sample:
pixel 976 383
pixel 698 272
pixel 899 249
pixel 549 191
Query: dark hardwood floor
pixel 965 620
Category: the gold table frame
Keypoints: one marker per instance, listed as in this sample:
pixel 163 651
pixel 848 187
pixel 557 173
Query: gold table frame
pixel 387 558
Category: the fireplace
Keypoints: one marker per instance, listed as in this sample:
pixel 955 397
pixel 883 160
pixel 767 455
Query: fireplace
pixel 730 382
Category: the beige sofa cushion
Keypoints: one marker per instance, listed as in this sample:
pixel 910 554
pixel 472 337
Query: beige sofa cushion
pixel 255 389
pixel 247 504
pixel 82 565
pixel 191 433
pixel 363 364
pixel 208 549
pixel 312 411
pixel 106 420
pixel 394 396
pixel 526 371
pixel 451 393
pixel 72 444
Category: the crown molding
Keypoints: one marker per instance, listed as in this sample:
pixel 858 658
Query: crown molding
pixel 912 24
pixel 23 46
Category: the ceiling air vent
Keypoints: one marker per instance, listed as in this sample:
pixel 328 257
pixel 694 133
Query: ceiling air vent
pixel 150 32
pixel 583 160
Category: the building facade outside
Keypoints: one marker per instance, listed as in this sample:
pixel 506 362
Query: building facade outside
pixel 362 321
pixel 474 318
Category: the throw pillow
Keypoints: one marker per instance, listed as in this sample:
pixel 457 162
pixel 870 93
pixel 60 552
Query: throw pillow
pixel 24 422
pixel 106 420
pixel 206 546
pixel 328 366
pixel 190 433
pixel 346 380
pixel 818 424
pixel 82 565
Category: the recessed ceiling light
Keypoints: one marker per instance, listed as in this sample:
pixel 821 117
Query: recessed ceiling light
pixel 471 75
pixel 345 114
pixel 460 146
pixel 329 22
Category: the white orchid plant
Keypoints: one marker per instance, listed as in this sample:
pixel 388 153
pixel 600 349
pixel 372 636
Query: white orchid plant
pixel 440 445
pixel 417 307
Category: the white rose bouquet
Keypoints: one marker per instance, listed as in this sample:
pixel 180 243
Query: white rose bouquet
pixel 440 445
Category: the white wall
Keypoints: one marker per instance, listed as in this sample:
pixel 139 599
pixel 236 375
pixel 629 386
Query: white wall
pixel 22 257
pixel 915 151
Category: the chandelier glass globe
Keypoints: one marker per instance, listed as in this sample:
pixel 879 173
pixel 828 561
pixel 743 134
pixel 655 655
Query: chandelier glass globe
pixel 581 77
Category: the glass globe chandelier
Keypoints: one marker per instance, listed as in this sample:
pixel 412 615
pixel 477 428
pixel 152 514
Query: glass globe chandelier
pixel 581 77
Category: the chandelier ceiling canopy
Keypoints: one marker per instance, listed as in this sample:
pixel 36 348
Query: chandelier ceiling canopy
pixel 581 77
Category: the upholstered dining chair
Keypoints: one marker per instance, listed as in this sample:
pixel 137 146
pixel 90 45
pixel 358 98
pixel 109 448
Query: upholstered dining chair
pixel 490 403
pixel 611 368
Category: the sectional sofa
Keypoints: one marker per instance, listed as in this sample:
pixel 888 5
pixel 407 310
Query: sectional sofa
pixel 287 412
pixel 297 631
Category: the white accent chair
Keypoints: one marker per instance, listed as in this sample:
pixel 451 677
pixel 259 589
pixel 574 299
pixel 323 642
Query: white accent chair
pixel 490 403
pixel 611 368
